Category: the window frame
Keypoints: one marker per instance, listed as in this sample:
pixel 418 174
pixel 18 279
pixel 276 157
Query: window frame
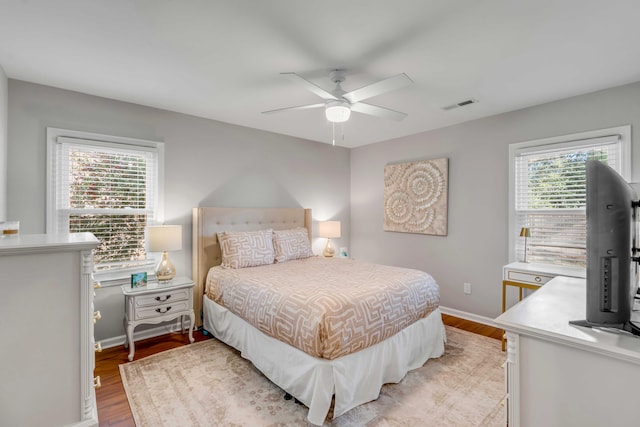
pixel 112 142
pixel 575 139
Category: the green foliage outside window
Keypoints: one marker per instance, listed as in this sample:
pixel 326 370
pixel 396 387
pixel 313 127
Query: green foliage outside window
pixel 106 185
pixel 559 182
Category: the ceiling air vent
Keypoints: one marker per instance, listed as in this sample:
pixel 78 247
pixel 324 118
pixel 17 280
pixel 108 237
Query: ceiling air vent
pixel 460 104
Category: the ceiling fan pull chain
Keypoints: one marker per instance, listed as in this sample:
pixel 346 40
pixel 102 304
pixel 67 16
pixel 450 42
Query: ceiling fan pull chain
pixel 333 139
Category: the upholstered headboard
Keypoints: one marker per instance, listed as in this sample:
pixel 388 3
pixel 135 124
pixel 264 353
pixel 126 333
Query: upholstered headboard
pixel 209 221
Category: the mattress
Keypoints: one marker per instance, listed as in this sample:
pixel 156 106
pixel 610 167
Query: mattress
pixel 325 307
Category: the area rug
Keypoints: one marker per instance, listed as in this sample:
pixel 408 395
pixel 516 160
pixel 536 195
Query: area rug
pixel 210 384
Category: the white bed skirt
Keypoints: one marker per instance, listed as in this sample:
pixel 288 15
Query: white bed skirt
pixel 354 379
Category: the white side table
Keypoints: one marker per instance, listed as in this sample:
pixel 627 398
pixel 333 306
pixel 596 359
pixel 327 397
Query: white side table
pixel 157 303
pixel 524 275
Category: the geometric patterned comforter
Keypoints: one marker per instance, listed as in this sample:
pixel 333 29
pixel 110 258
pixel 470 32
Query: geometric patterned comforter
pixel 325 307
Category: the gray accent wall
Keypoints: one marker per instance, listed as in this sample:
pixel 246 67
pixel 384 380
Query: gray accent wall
pixel 476 246
pixel 210 163
pixel 207 163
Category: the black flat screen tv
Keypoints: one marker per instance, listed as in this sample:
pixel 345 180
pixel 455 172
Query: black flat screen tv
pixel 612 270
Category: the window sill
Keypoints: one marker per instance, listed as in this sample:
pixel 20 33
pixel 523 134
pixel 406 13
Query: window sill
pixel 122 276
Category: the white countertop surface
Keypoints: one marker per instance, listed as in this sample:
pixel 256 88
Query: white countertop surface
pixel 546 314
pixel 22 243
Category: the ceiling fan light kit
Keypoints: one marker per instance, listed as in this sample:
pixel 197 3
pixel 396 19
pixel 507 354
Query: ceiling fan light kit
pixel 339 104
pixel 337 111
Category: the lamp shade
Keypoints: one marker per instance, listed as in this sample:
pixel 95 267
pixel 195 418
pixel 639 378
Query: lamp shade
pixel 329 229
pixel 525 232
pixel 337 111
pixel 164 238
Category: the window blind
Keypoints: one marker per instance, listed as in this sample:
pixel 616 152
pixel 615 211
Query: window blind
pixel 550 197
pixel 109 189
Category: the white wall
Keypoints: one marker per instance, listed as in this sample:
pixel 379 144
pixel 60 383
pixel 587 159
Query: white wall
pixel 207 163
pixel 476 246
pixel 4 101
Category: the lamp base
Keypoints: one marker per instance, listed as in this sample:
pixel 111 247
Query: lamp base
pixel 329 251
pixel 165 271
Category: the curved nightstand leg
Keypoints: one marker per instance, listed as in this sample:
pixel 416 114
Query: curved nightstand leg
pixel 132 346
pixel 192 318
pixel 126 336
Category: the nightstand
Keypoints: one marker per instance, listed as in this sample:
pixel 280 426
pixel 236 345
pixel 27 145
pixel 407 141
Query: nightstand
pixel 157 303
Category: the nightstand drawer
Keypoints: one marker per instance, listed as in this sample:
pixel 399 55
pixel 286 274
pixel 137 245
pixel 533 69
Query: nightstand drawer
pixel 168 309
pixel 523 277
pixel 162 298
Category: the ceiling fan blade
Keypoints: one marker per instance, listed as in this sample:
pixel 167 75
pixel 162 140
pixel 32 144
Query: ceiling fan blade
pixel 374 110
pixel 299 107
pixel 310 86
pixel 374 89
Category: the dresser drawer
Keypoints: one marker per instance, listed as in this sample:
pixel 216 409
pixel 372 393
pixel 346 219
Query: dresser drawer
pixel 162 298
pixel 166 309
pixel 524 277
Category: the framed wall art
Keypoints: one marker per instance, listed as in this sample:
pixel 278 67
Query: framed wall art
pixel 415 197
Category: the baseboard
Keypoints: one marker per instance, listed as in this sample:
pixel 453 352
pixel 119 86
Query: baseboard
pixel 468 316
pixel 142 335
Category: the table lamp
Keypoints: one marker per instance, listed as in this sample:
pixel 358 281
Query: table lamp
pixel 164 238
pixel 330 230
pixel 526 233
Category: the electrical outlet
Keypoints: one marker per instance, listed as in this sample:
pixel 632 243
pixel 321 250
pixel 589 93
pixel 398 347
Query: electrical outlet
pixel 467 288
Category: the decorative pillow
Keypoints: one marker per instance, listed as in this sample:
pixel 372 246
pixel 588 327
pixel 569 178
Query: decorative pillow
pixel 242 249
pixel 291 244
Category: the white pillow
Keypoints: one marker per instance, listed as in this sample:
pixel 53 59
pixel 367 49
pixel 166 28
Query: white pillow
pixel 291 244
pixel 242 249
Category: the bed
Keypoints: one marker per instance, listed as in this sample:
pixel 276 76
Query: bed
pixel 330 360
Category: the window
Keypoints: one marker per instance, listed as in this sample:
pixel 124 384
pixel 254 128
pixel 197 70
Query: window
pixel 548 192
pixel 105 185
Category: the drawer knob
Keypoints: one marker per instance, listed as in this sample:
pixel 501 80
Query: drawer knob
pixel 160 299
pixel 96 382
pixel 97 285
pixel 96 316
pixel 538 279
pixel 159 310
pixel 97 347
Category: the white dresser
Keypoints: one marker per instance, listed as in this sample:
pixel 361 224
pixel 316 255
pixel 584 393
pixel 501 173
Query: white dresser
pixel 46 330
pixel 562 375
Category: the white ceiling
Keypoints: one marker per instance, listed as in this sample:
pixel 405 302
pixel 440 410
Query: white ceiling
pixel 222 59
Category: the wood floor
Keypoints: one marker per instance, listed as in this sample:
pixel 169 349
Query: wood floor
pixel 477 328
pixel 113 407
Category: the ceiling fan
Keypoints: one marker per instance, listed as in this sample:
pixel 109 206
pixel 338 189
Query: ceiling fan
pixel 339 104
